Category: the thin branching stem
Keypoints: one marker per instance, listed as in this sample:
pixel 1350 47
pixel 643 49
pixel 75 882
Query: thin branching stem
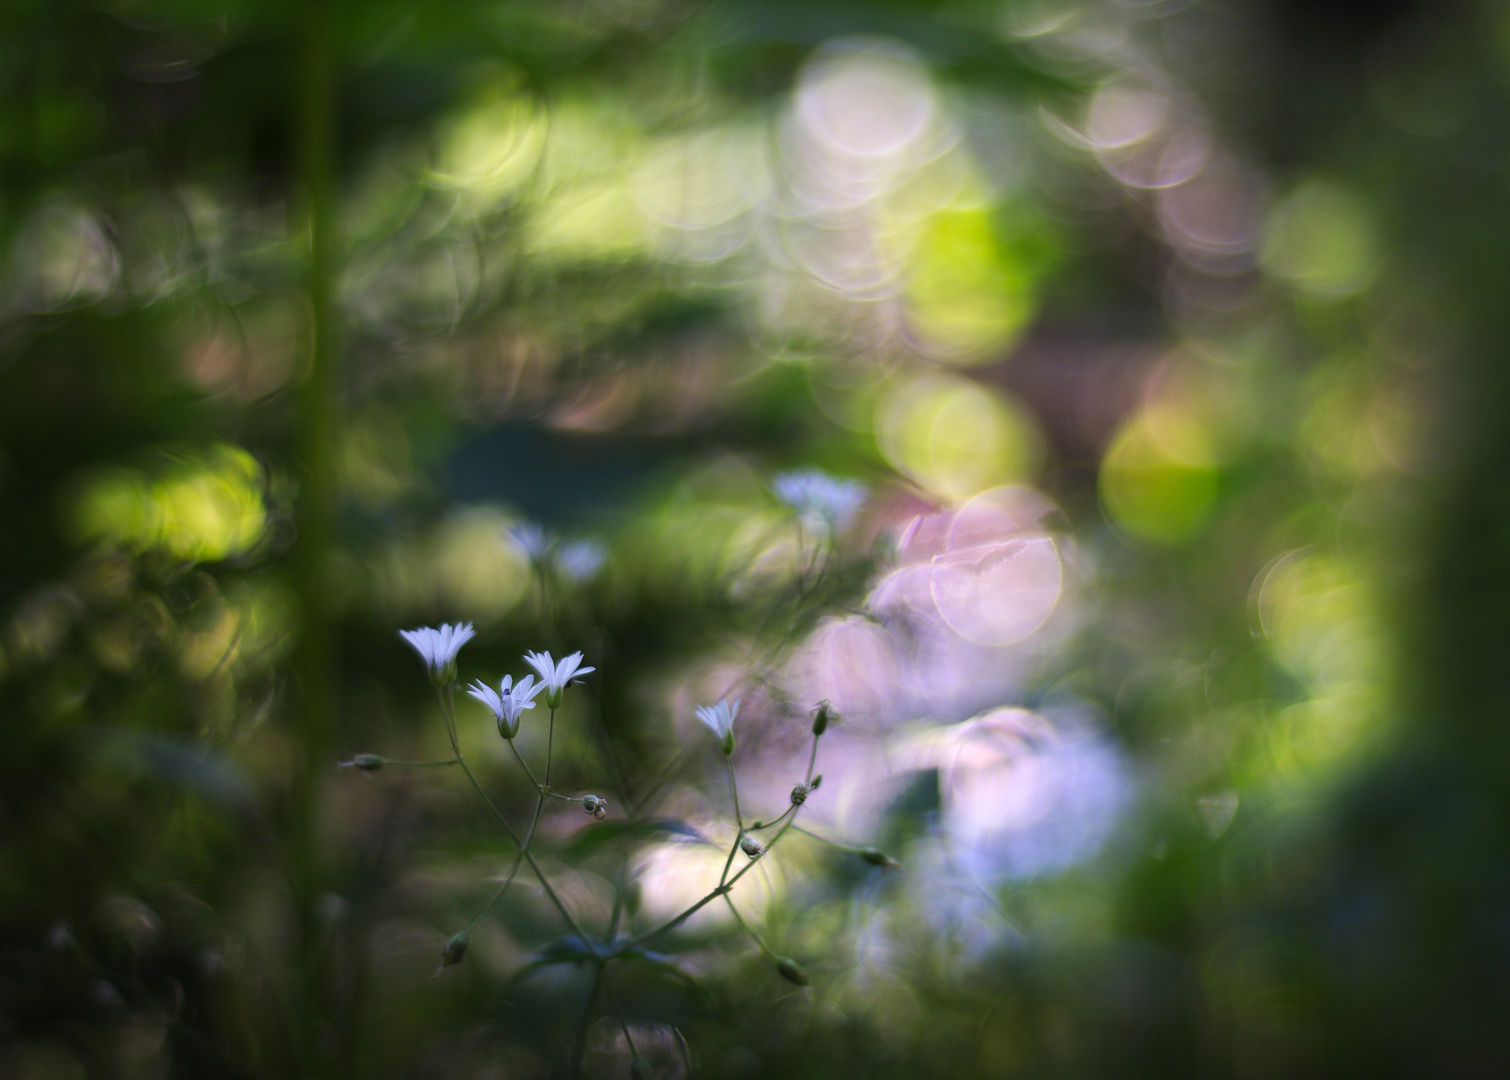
pixel 575 1065
pixel 726 883
pixel 748 929
pixel 618 1008
pixel 524 851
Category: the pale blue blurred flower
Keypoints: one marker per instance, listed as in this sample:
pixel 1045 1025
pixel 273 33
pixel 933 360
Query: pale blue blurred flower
pixel 508 702
pixel 814 493
pixel 720 720
pixel 581 560
pixel 536 540
pixel 554 676
pixel 438 647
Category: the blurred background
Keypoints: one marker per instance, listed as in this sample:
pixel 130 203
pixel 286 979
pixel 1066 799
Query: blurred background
pixel 1152 354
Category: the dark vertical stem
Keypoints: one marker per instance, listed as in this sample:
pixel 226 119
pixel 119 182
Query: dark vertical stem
pixel 315 119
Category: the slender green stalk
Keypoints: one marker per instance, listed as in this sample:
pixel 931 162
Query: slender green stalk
pixel 734 789
pixel 528 771
pixel 726 883
pixel 618 1008
pixel 580 1043
pixel 448 704
pixel 748 930
pixel 550 741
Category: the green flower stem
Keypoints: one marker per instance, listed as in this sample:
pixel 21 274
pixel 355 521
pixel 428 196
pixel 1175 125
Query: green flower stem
pixel 507 828
pixel 419 764
pixel 618 1008
pixel 550 740
pixel 734 788
pixel 748 930
pixel 726 883
pixel 852 848
pixel 527 770
pixel 762 826
pixel 730 860
pixel 580 1042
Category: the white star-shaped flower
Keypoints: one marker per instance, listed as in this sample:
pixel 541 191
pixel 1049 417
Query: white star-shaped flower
pixel 720 719
pixel 438 648
pixel 508 702
pixel 555 676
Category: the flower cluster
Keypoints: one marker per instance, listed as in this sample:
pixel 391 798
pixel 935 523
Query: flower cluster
pixel 813 493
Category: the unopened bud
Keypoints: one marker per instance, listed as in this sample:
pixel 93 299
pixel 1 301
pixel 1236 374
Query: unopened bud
pixel 368 763
pixel 792 972
pixel 751 847
pixel 595 805
pixel 877 857
pixel 821 713
pixel 812 785
pixel 456 949
pixel 639 1068
pixel 799 794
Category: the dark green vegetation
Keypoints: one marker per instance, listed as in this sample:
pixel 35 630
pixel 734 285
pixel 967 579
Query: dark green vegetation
pixel 1193 743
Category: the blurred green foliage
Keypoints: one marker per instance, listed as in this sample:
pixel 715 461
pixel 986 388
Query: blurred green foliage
pixel 1164 336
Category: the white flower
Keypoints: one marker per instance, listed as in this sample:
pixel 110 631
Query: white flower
pixel 580 560
pixel 814 493
pixel 554 676
pixel 509 702
pixel 720 719
pixel 438 648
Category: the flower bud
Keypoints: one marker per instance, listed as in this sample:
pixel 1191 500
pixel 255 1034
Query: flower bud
pixel 821 714
pixel 368 763
pixel 877 857
pixel 751 847
pixel 799 794
pixel 727 743
pixel 792 972
pixel 456 949
pixel 508 728
pixel 812 785
pixel 595 805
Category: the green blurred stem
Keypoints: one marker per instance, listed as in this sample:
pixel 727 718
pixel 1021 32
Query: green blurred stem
pixel 580 1042
pixel 419 764
pixel 316 418
pixel 618 1009
pixel 853 849
pixel 748 929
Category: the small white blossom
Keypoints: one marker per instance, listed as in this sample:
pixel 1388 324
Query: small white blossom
pixel 720 720
pixel 508 702
pixel 580 560
pixel 553 676
pixel 438 648
pixel 814 493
